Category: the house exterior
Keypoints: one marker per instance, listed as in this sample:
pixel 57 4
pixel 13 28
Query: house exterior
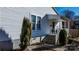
pixel 11 20
pixel 76 23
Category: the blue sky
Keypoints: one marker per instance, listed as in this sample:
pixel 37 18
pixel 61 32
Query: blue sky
pixel 61 9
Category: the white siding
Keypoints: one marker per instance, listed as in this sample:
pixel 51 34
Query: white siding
pixel 11 18
pixel 46 25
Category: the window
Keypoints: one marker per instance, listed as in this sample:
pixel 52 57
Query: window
pixel 76 22
pixel 38 23
pixel 33 21
pixel 77 27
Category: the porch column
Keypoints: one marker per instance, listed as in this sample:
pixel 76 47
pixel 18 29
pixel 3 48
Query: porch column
pixel 40 39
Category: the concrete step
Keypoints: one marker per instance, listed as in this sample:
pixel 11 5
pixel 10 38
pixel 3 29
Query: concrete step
pixel 49 39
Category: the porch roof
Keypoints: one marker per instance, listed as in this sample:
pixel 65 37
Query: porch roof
pixel 51 20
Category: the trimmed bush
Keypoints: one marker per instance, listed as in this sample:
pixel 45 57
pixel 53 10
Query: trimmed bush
pixel 25 33
pixel 62 37
pixel 69 41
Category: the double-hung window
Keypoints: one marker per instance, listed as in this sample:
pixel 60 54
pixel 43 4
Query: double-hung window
pixel 36 22
pixel 33 22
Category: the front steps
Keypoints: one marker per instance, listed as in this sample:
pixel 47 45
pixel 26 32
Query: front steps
pixel 49 39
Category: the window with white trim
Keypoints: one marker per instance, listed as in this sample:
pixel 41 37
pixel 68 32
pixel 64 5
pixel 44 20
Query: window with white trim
pixel 33 17
pixel 36 22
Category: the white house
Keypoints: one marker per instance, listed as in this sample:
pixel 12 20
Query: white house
pixel 11 19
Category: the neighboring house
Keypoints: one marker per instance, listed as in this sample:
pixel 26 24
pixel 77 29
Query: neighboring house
pixel 41 18
pixel 75 22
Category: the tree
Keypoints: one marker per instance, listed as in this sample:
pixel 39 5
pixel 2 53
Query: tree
pixel 62 37
pixel 69 14
pixel 25 33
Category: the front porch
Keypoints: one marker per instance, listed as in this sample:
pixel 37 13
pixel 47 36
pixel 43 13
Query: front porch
pixel 49 34
pixel 55 27
pixel 51 26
